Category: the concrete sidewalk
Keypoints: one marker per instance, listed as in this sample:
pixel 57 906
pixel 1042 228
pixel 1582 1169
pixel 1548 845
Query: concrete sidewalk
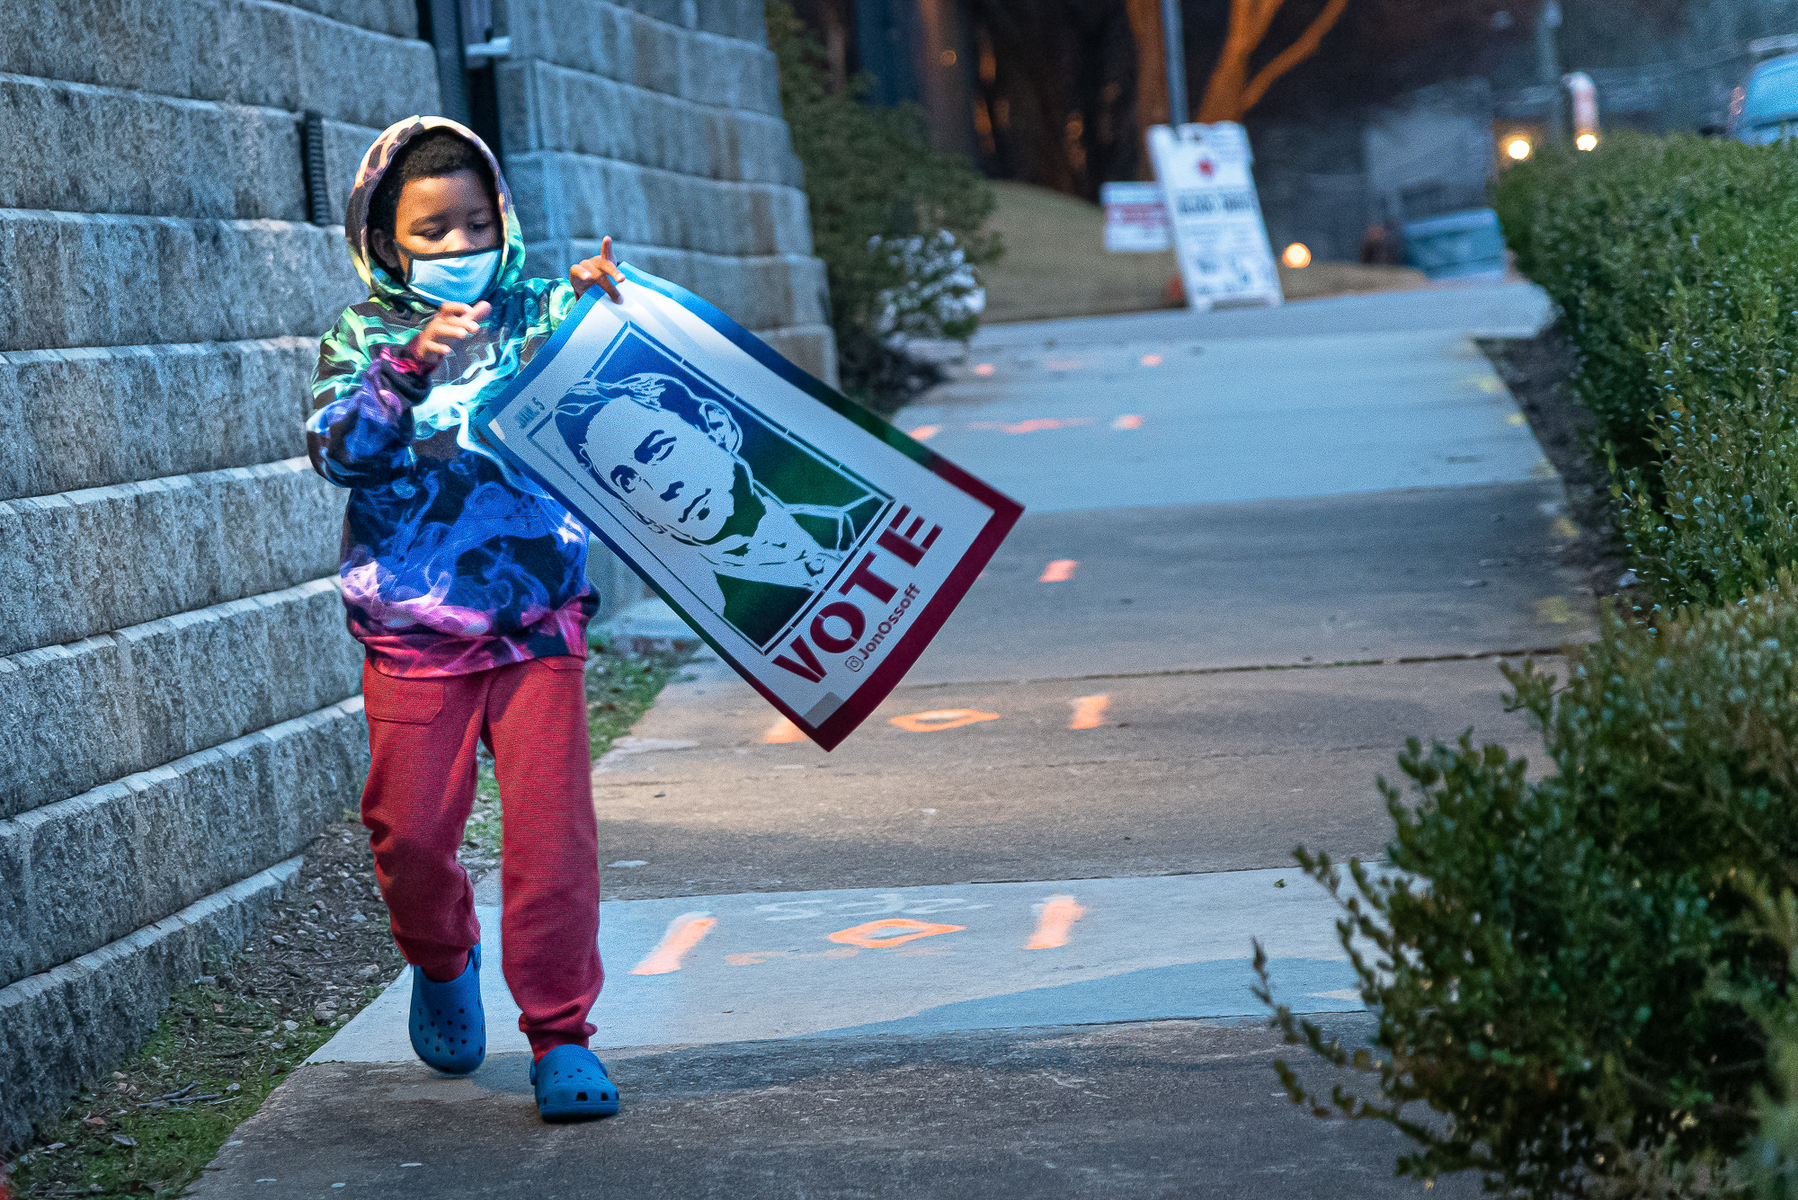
pixel 997 943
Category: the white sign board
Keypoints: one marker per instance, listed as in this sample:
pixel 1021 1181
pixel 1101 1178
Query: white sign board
pixel 1218 231
pixel 1135 218
pixel 815 547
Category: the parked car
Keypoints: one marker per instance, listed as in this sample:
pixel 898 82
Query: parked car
pixel 1765 109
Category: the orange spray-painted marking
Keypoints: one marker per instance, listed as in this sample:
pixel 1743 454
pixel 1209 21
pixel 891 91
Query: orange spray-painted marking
pixel 1055 919
pixel 1033 425
pixel 925 432
pixel 684 932
pixel 1059 571
pixel 890 931
pixel 1127 421
pixel 1089 712
pixel 939 719
pixel 782 732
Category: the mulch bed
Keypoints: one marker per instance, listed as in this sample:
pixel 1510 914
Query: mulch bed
pixel 1536 370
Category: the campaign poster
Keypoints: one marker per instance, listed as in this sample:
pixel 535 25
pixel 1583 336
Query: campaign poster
pixel 816 548
pixel 1135 218
pixel 1219 234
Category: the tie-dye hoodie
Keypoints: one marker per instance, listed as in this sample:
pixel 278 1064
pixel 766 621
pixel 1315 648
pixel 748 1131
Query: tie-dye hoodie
pixel 451 562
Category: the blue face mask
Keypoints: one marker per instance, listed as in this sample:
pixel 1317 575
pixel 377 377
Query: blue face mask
pixel 459 277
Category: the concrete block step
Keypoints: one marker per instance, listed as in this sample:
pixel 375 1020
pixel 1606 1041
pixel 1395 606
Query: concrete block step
pixel 86 148
pixel 764 292
pixel 741 19
pixel 81 280
pixel 398 18
pixel 117 151
pixel 576 195
pixel 88 562
pixel 71 1023
pixel 93 417
pixel 158 841
pixel 546 107
pixel 235 51
pixel 159 691
pixel 662 52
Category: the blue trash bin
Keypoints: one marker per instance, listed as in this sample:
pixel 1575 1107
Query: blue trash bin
pixel 1463 245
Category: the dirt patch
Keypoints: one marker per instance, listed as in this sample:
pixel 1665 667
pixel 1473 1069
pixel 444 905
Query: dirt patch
pixel 1536 370
pixel 225 1041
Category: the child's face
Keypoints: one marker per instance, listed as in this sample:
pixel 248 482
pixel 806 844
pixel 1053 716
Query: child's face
pixel 444 215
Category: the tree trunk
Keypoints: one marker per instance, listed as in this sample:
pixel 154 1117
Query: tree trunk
pixel 1151 77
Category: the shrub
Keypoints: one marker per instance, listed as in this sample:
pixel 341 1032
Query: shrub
pixel 897 223
pixel 1576 974
pixel 1669 260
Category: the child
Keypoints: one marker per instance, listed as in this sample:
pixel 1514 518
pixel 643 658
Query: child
pixel 466 586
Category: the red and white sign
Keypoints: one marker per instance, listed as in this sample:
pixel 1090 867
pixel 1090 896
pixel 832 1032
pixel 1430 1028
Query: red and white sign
pixel 1216 215
pixel 1135 218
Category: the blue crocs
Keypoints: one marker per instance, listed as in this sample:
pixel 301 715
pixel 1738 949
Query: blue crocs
pixel 448 1027
pixel 572 1085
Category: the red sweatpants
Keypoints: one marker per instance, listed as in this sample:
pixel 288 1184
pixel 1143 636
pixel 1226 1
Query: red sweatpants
pixel 422 732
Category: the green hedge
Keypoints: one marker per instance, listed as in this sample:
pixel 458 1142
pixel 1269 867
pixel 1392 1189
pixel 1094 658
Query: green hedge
pixel 1585 981
pixel 1575 987
pixel 1672 262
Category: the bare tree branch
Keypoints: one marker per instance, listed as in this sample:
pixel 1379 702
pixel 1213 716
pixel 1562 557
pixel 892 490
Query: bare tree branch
pixel 1293 55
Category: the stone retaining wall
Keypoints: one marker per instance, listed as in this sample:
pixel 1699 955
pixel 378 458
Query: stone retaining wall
pixel 178 698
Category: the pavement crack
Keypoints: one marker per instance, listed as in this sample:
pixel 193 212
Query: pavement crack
pixel 1249 669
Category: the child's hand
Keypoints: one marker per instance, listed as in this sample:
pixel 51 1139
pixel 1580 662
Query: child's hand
pixel 438 338
pixel 601 270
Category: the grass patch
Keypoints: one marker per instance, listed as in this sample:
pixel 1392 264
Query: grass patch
pixel 150 1127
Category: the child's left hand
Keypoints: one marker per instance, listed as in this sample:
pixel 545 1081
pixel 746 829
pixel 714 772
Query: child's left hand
pixel 601 270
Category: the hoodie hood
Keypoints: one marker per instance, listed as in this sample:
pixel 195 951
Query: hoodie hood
pixel 382 286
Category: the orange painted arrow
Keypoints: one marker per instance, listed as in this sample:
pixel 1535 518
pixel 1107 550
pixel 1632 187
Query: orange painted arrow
pixel 939 719
pixel 1054 923
pixel 781 732
pixel 1089 712
pixel 878 935
pixel 684 932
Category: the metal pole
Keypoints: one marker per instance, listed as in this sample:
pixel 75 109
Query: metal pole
pixel 446 39
pixel 1173 44
pixel 1548 67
